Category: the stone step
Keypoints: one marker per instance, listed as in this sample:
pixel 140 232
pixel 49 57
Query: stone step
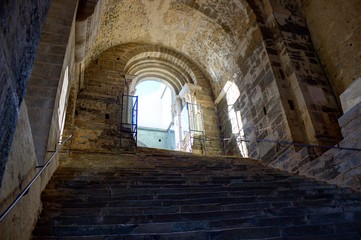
pixel 160 170
pixel 154 173
pixel 168 196
pixel 180 161
pixel 239 222
pixel 343 236
pixel 150 203
pixel 89 179
pixel 125 189
pixel 123 231
pixel 184 202
pixel 175 174
pixel 252 217
pixel 92 195
pixel 151 218
pixel 313 204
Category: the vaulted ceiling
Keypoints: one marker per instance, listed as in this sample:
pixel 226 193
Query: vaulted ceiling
pixel 210 33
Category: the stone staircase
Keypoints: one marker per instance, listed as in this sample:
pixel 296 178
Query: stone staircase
pixel 169 195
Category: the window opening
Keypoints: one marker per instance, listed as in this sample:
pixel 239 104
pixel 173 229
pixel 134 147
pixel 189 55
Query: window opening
pixel 156 126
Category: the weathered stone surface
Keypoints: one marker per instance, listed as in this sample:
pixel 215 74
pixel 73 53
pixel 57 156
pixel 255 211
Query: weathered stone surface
pixel 351 96
pixel 350 121
pixel 53 64
pixel 20 24
pixel 335 30
pixel 286 60
pixel 179 196
pixel 105 82
pixel 19 170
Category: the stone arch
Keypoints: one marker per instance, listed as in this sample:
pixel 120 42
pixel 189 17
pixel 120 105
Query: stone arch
pixel 156 61
pixel 162 77
pixel 117 71
pixel 171 67
pixel 132 52
pixel 157 79
pixel 219 27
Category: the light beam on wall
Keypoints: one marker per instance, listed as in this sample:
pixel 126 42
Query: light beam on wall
pixel 62 103
pixel 232 94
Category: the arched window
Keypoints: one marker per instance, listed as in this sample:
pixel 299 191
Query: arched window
pixel 155 118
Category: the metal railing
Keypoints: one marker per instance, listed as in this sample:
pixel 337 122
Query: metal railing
pixel 284 142
pixel 129 118
pixel 26 189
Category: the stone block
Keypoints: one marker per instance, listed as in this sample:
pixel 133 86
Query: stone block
pixel 53 49
pixel 352 161
pixel 49 58
pixel 47 70
pixel 352 139
pixel 53 38
pixel 351 127
pixel 351 96
pixel 42 81
pixel 20 168
pixel 306 231
pixel 41 103
pixel 351 115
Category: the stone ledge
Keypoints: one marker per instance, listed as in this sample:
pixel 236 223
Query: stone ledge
pixel 351 96
pixel 350 115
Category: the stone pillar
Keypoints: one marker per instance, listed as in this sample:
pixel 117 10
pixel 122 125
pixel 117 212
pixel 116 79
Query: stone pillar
pixel 188 92
pixel 197 139
pixel 342 166
pixel 129 83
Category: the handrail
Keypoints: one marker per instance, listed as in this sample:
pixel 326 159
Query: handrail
pixel 17 199
pixel 299 144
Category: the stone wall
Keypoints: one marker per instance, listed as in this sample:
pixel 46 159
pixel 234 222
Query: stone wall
pixel 338 166
pixel 19 170
pixel 211 123
pixel 309 102
pixel 20 24
pixel 258 110
pixel 97 116
pixel 54 68
pixel 47 100
pixel 305 93
pixel 335 28
pixel 285 97
pixel 314 96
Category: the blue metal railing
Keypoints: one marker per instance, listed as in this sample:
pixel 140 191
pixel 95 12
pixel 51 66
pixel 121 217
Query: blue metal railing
pixel 129 117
